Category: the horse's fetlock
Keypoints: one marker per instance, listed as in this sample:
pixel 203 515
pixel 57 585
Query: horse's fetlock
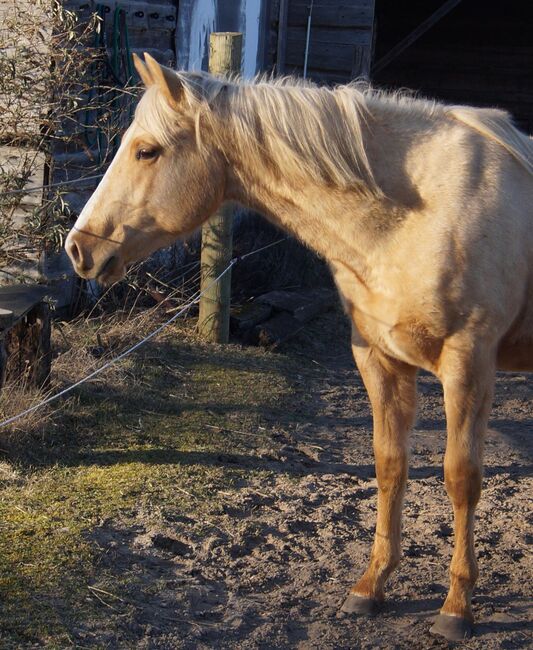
pixel 464 575
pixel 383 564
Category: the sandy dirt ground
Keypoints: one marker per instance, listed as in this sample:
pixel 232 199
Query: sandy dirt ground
pixel 304 520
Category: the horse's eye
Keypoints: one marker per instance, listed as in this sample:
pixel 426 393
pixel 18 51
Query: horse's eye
pixel 146 154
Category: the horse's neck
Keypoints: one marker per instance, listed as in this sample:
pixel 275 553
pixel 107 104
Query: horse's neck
pixel 339 224
pixel 322 218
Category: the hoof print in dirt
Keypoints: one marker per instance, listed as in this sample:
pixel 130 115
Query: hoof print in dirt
pixel 171 544
pixel 359 605
pixel 453 628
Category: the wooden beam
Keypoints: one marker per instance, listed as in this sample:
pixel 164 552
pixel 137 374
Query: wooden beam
pixel 414 35
pixel 282 36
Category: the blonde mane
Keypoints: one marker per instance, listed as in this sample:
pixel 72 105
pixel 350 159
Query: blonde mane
pixel 301 129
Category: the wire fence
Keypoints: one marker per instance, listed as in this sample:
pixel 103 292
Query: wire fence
pixel 193 301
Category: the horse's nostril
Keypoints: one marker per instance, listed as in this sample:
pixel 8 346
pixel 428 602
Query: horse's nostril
pixel 75 252
pixel 80 258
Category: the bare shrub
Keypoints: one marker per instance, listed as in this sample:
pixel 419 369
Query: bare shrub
pixel 59 95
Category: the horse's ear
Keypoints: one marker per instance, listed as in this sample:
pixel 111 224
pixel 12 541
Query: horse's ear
pixel 142 71
pixel 166 79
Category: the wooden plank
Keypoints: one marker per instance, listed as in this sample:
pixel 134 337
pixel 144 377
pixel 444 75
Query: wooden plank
pixel 415 35
pixel 244 317
pixel 322 56
pixel 163 39
pixel 22 252
pixel 17 161
pixel 303 306
pixel 21 298
pixel 323 77
pixel 282 36
pixel 275 331
pixel 350 36
pixel 21 114
pixel 342 15
pixel 361 62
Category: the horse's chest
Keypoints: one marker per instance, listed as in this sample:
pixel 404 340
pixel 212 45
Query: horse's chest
pixel 385 318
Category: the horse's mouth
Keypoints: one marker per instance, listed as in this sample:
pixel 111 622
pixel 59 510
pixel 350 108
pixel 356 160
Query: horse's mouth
pixel 112 271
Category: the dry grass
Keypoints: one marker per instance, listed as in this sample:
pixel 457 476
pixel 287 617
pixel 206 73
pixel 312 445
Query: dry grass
pixel 122 316
pixel 14 399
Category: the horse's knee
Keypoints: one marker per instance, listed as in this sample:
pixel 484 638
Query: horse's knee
pixel 391 470
pixel 462 478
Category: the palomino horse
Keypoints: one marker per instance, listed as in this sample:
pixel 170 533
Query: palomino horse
pixel 425 215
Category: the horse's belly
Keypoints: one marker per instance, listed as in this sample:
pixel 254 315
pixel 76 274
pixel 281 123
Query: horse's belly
pixel 516 355
pixel 515 351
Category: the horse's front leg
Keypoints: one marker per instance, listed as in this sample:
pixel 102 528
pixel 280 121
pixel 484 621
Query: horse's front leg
pixel 391 386
pixel 467 376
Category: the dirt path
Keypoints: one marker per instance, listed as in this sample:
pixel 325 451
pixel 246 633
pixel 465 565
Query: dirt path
pixel 302 530
pixel 225 498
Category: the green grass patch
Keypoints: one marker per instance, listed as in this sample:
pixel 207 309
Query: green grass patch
pixel 156 436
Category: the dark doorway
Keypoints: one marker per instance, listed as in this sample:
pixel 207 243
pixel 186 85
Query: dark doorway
pixel 480 53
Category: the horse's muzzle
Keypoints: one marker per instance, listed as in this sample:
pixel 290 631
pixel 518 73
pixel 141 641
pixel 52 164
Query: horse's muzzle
pixel 92 261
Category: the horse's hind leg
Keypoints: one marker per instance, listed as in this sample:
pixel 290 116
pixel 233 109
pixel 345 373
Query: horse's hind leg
pixel 468 381
pixel 391 386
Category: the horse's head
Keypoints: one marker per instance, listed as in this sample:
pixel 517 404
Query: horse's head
pixel 161 185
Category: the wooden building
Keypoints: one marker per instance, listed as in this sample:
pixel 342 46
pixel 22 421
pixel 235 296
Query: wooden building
pixel 329 41
pixel 460 51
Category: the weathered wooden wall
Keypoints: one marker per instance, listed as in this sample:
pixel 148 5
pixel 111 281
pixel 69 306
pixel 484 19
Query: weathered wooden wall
pixel 340 44
pixel 20 117
pixel 19 132
pixel 481 53
pixel 151 28
pixel 12 159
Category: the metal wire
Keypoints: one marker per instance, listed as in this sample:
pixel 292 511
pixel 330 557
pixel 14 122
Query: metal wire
pixel 46 187
pixel 137 345
pixel 307 38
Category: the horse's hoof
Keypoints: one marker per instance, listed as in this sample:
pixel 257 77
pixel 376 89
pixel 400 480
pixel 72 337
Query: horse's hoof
pixel 453 628
pixel 359 605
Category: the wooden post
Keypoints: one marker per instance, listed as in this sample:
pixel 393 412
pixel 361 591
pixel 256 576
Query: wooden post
pixel 217 235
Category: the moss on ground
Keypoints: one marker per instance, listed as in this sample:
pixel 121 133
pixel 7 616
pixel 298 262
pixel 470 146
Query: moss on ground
pixel 156 436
